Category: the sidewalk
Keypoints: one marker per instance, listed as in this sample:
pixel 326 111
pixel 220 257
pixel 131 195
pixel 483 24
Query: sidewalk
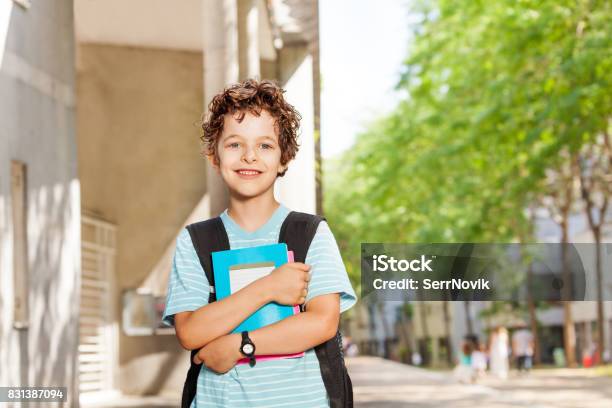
pixel 379 383
pixel 123 401
pixel 385 384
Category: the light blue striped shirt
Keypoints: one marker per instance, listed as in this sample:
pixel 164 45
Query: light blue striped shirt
pixel 291 383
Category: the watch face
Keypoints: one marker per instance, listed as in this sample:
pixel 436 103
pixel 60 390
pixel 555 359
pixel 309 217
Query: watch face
pixel 248 349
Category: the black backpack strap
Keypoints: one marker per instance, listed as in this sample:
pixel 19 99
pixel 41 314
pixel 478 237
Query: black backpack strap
pixel 298 231
pixel 207 236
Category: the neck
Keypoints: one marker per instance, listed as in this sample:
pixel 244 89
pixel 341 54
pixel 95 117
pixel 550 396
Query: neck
pixel 253 212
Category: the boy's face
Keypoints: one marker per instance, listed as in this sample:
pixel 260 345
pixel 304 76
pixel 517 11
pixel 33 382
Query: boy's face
pixel 249 154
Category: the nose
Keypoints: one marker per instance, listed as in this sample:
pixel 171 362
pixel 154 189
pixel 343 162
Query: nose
pixel 250 155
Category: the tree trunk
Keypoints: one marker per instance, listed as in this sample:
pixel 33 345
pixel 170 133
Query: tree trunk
pixel 594 163
pixel 533 319
pixel 569 334
pixel 386 330
pixel 531 304
pixel 407 334
pixel 447 337
pixel 562 192
pixel 601 346
pixel 569 330
pixel 424 328
pixel 533 322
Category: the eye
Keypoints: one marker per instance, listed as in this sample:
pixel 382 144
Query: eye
pixel 233 145
pixel 266 146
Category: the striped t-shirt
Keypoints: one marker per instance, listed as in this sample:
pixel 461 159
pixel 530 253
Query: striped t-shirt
pixel 291 383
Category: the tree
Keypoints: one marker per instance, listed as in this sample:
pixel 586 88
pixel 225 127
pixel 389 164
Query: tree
pixel 595 170
pixel 496 91
pixel 561 188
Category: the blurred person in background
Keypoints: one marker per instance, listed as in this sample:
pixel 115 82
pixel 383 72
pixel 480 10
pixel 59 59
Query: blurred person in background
pixel 349 347
pixel 522 348
pixel 498 352
pixel 463 372
pixel 479 360
pixel 417 360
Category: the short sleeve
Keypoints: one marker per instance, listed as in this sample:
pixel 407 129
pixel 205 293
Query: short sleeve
pixel 188 288
pixel 328 274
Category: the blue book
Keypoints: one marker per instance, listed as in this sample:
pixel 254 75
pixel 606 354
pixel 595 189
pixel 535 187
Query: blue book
pixel 235 268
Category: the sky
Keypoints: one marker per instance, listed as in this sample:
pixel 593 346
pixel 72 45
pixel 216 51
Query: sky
pixel 362 46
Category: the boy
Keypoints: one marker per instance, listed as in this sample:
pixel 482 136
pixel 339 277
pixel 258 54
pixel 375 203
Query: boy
pixel 250 137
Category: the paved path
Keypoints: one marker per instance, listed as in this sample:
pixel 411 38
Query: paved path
pixel 379 383
pixel 124 401
pixel 385 384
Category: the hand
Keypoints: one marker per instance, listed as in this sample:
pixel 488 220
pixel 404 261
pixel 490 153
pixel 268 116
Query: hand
pixel 288 284
pixel 221 354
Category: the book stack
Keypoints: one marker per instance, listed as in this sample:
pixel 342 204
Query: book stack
pixel 236 268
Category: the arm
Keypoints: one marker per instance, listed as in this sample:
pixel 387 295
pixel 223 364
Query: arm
pixel 286 285
pixel 329 291
pixel 219 317
pixel 317 324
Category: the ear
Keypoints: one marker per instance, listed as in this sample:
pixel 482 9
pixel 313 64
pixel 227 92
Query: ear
pixel 213 162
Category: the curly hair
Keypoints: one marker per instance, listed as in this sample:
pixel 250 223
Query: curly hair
pixel 252 96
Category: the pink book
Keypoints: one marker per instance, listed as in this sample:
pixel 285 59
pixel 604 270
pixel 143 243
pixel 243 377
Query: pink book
pixel 296 310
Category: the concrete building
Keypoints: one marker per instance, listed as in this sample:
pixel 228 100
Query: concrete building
pixel 102 169
pixel 40 210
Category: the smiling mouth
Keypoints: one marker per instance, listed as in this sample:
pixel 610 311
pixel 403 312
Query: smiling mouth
pixel 248 173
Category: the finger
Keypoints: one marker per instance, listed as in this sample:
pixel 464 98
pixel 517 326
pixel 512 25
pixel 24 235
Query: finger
pixel 306 277
pixel 301 266
pixel 302 300
pixel 304 293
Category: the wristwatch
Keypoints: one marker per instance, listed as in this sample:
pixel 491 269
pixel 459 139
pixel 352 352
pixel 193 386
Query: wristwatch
pixel 247 348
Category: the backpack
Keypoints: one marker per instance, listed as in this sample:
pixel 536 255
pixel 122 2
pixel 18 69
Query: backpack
pixel 297 231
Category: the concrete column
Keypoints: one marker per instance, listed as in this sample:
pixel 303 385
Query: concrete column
pixel 220 51
pixel 435 351
pixel 297 188
pixel 248 39
pixel 316 99
pixel 37 84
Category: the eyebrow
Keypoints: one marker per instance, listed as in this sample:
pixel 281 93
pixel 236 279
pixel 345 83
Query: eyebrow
pixel 259 137
pixel 268 137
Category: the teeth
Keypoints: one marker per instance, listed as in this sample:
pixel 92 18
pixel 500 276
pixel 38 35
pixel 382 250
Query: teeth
pixel 248 172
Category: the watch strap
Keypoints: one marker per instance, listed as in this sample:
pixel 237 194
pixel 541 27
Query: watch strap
pixel 247 340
